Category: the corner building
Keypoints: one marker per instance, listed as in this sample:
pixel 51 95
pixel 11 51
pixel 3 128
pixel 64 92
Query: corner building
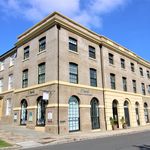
pixel 61 77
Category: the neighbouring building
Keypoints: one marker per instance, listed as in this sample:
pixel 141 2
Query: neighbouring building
pixel 61 77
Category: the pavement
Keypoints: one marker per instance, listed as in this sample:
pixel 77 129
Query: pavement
pixel 21 137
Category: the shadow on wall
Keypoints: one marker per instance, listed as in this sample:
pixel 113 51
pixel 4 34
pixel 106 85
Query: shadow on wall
pixel 143 147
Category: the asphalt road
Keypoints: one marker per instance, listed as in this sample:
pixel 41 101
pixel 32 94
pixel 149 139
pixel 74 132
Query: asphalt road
pixel 136 141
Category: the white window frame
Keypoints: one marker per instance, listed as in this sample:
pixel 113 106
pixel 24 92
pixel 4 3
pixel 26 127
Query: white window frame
pixel 10 82
pixel 8 107
pixel 1 85
pixel 12 59
pixel 2 65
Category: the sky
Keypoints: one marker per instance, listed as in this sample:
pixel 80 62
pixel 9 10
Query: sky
pixel 126 22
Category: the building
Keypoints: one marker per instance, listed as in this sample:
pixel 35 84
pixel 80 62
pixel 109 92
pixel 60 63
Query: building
pixel 61 77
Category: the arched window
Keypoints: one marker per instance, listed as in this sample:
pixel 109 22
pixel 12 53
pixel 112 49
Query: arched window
pixel 23 118
pixel 95 114
pixel 115 111
pixel 126 113
pixel 73 114
pixel 137 113
pixel 146 113
pixel 41 111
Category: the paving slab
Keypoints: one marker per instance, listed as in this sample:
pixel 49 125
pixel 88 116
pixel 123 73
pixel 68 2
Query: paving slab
pixel 29 144
pixel 30 138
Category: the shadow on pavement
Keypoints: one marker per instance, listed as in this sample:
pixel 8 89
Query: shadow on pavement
pixel 143 147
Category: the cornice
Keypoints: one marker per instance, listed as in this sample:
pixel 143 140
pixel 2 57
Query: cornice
pixel 35 33
pixel 54 82
pixel 66 23
pixel 8 53
pixel 126 93
pixel 120 49
pixel 6 92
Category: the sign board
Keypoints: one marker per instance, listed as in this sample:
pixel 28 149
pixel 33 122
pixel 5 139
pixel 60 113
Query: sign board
pixel 30 117
pixel 15 117
pixel 50 116
pixel 45 95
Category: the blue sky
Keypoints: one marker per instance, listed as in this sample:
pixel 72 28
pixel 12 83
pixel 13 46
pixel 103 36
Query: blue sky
pixel 126 22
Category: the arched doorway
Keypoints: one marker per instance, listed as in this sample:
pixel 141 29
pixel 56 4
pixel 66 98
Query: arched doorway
pixel 146 113
pixel 126 113
pixel 95 114
pixel 23 118
pixel 73 114
pixel 1 106
pixel 115 111
pixel 137 113
pixel 41 111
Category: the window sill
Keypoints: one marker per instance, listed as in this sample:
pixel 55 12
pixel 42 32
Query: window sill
pixel 124 69
pixel 94 59
pixel 133 72
pixel 112 65
pixel 41 52
pixel 2 70
pixel 142 76
pixel 10 66
pixel 7 115
pixel 25 60
pixel 73 52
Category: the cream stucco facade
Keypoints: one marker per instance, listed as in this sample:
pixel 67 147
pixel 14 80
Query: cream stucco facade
pixel 91 105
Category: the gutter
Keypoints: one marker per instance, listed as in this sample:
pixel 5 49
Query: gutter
pixel 103 82
pixel 58 122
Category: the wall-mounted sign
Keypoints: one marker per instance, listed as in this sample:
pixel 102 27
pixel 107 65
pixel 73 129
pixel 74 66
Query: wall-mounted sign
pixel 85 92
pixel 50 116
pixel 45 95
pixel 30 116
pixel 62 121
pixel 31 93
pixel 15 117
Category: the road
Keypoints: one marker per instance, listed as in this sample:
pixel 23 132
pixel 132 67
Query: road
pixel 134 141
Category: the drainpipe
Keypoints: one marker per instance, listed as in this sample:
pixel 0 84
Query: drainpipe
pixel 58 123
pixel 103 82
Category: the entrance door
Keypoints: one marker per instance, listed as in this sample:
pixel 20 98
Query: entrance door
pixel 137 113
pixel 23 112
pixel 115 111
pixel 146 113
pixel 95 114
pixel 126 112
pixel 41 111
pixel 1 107
pixel 73 114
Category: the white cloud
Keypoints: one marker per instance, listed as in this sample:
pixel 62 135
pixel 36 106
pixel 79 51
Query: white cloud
pixel 89 15
pixel 105 6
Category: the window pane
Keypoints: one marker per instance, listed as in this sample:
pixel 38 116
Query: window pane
pixel 26 52
pixel 72 44
pixel 25 79
pixel 73 71
pixel 112 81
pixel 124 80
pixel 41 75
pixel 42 44
pixel 143 88
pixel 148 74
pixel 92 52
pixel 134 85
pixel 10 82
pixel 93 77
pixel 1 85
pixel 111 58
pixel 8 107
pixel 122 63
pixel 132 67
pixel 141 71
